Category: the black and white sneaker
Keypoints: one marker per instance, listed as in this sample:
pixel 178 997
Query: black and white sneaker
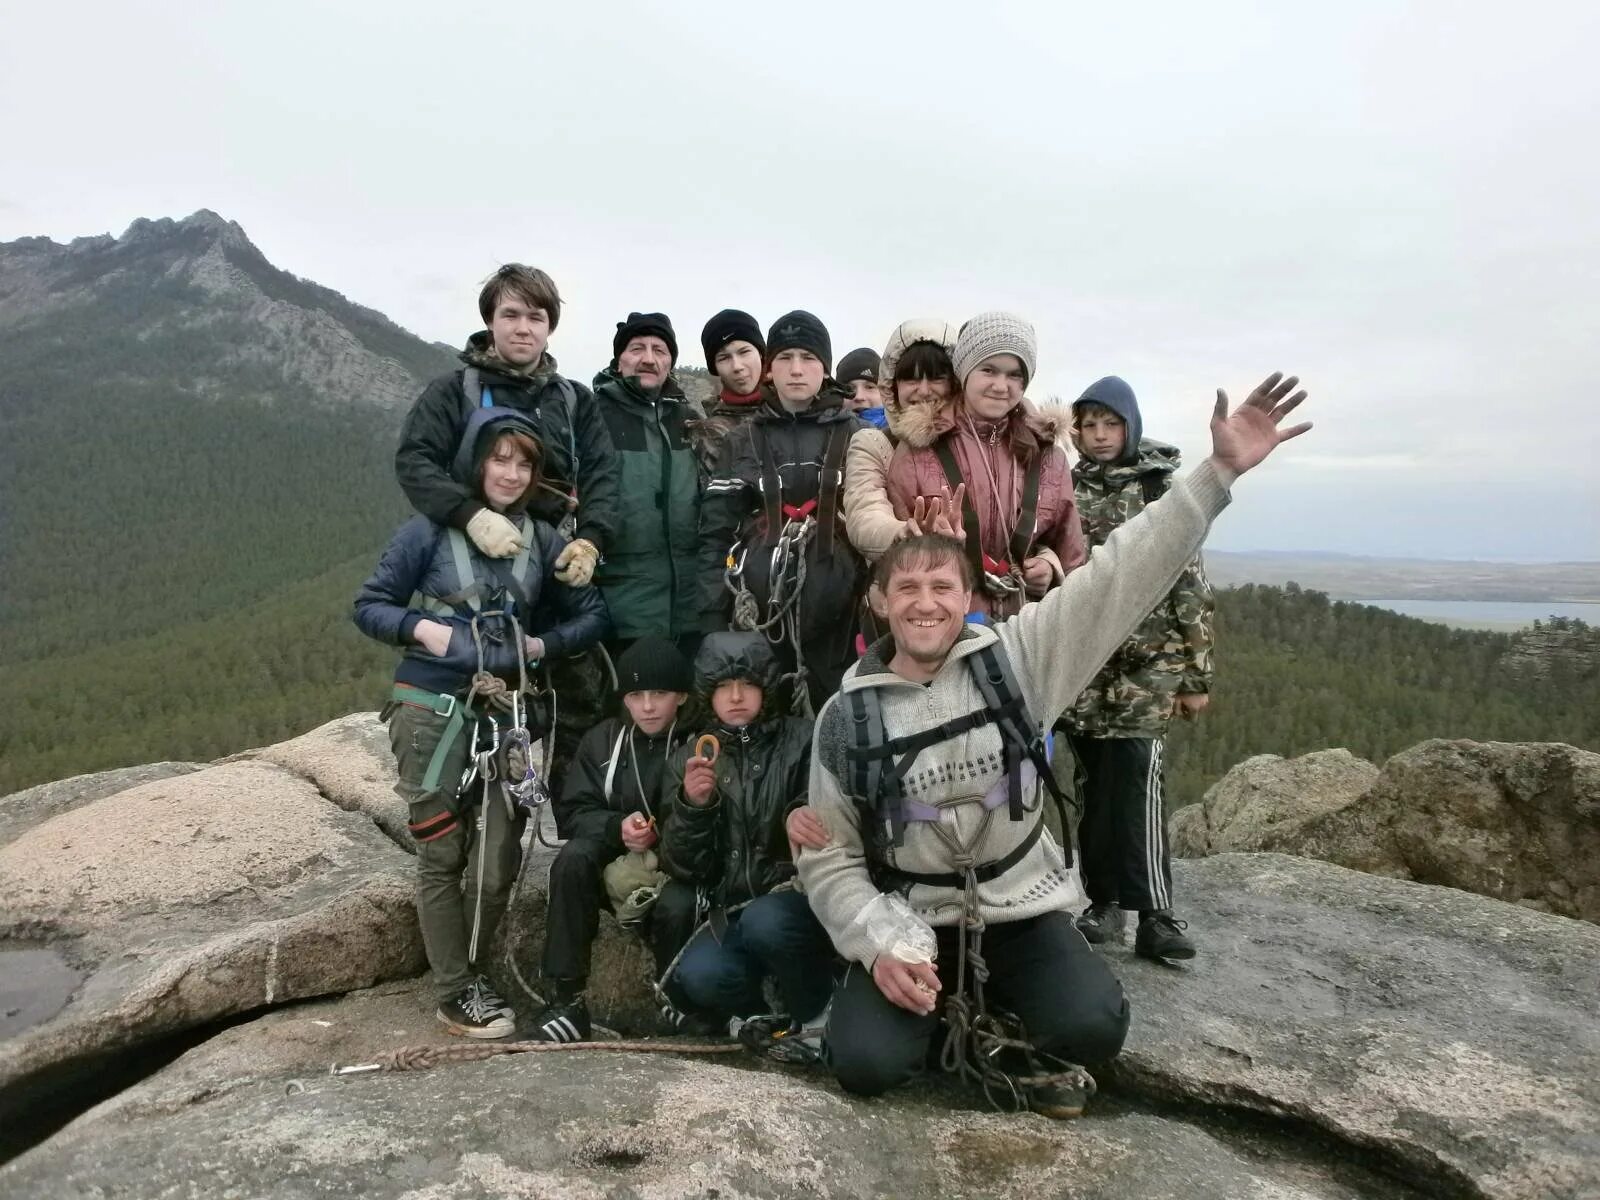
pixel 1065 1099
pixel 468 1014
pixel 491 998
pixel 1102 923
pixel 1160 937
pixel 564 1022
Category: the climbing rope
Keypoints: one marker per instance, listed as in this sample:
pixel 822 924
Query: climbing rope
pixel 423 1058
pixel 786 582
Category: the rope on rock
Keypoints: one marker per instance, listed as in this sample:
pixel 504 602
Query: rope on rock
pixel 423 1058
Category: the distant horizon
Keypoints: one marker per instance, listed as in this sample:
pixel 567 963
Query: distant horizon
pixel 1497 561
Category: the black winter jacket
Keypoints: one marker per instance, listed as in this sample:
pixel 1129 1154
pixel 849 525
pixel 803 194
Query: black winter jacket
pixel 736 846
pixel 586 810
pixel 577 446
pixel 735 510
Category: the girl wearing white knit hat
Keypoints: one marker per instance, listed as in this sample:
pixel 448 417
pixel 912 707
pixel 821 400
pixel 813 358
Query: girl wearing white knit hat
pixel 1019 519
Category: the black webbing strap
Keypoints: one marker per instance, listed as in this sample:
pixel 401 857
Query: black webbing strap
pixel 829 484
pixel 1028 519
pixel 983 874
pixel 969 514
pixel 771 485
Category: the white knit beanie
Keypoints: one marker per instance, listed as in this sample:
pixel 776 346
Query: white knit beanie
pixel 991 333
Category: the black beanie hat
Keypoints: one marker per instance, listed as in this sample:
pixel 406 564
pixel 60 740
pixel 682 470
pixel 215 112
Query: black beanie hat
pixel 799 330
pixel 858 364
pixel 653 664
pixel 730 325
pixel 644 325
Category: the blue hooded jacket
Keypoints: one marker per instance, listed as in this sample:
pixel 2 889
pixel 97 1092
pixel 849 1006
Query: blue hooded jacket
pixel 419 559
pixel 1115 394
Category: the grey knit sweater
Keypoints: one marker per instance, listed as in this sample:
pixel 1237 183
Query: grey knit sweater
pixel 1055 646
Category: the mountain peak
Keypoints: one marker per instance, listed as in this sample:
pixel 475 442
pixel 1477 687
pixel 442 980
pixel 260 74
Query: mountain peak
pixel 202 221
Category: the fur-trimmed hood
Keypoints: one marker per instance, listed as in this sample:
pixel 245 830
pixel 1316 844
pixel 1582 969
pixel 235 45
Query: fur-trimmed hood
pixel 916 425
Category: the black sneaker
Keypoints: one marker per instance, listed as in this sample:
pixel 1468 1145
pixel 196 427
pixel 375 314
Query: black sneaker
pixel 567 1021
pixel 492 999
pixel 1065 1100
pixel 468 1014
pixel 1160 937
pixel 780 1039
pixel 1102 923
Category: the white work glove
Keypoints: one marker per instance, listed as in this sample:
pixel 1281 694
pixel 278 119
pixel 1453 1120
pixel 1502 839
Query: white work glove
pixel 575 566
pixel 493 534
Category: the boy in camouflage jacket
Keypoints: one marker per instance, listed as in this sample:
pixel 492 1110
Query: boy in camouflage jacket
pixel 1117 725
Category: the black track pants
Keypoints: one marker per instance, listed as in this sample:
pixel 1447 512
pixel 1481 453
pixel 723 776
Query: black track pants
pixel 1123 834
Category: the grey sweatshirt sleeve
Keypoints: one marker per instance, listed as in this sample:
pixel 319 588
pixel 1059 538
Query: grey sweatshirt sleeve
pixel 835 878
pixel 1059 643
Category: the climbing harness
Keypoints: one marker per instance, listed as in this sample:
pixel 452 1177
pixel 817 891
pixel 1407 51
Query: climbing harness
pixel 989 1048
pixel 794 529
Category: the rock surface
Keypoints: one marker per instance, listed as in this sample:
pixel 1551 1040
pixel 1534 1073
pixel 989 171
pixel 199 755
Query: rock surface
pixel 350 762
pixel 21 811
pixel 185 900
pixel 1265 802
pixel 260 1115
pixel 1516 821
pixel 1338 1033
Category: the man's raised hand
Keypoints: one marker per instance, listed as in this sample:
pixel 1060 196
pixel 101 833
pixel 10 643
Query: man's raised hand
pixel 1242 438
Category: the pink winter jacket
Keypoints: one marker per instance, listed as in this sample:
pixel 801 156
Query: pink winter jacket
pixel 916 472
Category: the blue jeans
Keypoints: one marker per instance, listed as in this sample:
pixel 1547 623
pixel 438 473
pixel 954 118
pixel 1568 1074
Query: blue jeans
pixel 774 935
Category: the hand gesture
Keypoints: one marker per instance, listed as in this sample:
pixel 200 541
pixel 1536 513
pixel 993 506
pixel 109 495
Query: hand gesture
pixel 1242 438
pixel 638 834
pixel 912 986
pixel 432 636
pixel 947 519
pixel 699 781
pixel 805 829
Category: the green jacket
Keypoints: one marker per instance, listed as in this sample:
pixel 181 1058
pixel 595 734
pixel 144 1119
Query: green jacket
pixel 1170 653
pixel 648 573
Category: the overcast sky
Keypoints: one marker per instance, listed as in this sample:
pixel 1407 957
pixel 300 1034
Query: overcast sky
pixel 1400 202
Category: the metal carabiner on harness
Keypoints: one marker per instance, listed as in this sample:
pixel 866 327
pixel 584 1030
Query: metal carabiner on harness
pixel 523 786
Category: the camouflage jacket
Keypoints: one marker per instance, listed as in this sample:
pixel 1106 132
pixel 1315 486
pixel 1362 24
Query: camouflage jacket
pixel 1170 653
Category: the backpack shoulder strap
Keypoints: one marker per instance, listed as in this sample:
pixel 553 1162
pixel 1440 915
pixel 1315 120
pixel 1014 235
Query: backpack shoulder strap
pixel 997 684
pixel 1028 518
pixel 969 512
pixel 473 393
pixel 771 484
pixel 467 588
pixel 519 565
pixel 832 480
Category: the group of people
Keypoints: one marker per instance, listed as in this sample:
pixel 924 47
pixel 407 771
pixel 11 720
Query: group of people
pixel 813 665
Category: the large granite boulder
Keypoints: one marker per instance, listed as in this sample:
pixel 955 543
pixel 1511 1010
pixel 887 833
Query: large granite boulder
pixel 1340 1035
pixel 1265 801
pixel 1516 821
pixel 182 901
pixel 21 811
pixel 349 761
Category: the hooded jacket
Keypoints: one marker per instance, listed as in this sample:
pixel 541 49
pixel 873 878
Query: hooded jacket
pixel 1054 647
pixel 734 512
pixel 648 573
pixel 988 453
pixel 737 845
pixel 868 512
pixel 1170 652
pixel 577 448
pixel 419 560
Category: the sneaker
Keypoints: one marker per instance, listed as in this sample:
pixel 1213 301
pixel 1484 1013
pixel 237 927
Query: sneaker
pixel 491 998
pixel 778 1038
pixel 1160 937
pixel 467 1015
pixel 1065 1100
pixel 1102 923
pixel 567 1021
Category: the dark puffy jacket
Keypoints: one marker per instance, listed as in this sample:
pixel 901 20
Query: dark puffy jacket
pixel 648 574
pixel 735 510
pixel 420 561
pixel 577 448
pixel 736 846
pixel 586 808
